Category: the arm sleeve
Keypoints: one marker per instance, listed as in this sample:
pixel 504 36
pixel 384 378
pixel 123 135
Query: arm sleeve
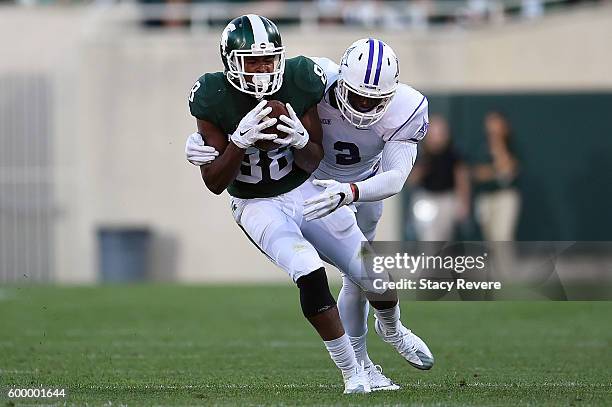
pixel 396 163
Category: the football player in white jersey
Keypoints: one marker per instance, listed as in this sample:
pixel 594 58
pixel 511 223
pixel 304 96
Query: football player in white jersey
pixel 371 125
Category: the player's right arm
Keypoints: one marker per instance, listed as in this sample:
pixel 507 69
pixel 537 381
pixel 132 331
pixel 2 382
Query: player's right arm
pixel 223 170
pixel 204 105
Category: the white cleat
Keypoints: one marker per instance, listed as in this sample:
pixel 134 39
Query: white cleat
pixel 378 381
pixel 358 382
pixel 410 346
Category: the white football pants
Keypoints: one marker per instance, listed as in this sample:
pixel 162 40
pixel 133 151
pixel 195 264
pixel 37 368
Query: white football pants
pixel 353 305
pixel 277 227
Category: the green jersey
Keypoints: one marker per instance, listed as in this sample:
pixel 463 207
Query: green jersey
pixel 262 174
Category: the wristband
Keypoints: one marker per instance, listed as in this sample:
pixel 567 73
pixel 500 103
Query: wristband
pixel 355 191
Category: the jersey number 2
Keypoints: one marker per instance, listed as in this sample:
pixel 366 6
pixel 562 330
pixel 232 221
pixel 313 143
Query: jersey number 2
pixel 350 153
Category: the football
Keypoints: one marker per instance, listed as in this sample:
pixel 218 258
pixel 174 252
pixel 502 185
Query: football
pixel 278 109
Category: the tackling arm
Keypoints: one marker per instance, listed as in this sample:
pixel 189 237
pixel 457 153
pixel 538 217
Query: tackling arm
pixel 396 164
pixel 397 161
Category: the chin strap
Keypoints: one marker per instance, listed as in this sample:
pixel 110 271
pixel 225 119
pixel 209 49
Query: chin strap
pixel 261 83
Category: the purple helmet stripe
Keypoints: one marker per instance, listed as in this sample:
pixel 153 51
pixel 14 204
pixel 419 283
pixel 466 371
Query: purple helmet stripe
pixel 379 63
pixel 370 59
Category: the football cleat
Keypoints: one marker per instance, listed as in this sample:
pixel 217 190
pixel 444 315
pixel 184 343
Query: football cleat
pixel 410 346
pixel 378 381
pixel 358 382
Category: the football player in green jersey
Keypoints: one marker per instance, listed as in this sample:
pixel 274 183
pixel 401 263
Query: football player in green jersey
pixel 266 199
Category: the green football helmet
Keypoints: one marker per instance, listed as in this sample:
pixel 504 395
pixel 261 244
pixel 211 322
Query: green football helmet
pixel 251 36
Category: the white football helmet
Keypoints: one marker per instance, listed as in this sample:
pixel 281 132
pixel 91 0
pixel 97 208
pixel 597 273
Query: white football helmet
pixel 369 69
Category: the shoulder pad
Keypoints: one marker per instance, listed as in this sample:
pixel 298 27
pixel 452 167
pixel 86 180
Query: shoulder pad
pixel 407 117
pixel 307 77
pixel 206 93
pixel 330 68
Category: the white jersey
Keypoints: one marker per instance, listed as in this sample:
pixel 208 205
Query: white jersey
pixel 353 154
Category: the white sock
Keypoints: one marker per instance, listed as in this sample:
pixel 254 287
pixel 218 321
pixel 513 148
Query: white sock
pixel 353 308
pixel 342 354
pixel 389 318
pixel 361 351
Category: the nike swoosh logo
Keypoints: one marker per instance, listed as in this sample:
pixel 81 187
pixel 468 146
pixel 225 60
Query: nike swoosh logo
pixel 242 133
pixel 342 196
pixel 301 133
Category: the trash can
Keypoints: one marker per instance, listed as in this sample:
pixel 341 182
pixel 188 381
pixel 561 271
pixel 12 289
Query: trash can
pixel 123 253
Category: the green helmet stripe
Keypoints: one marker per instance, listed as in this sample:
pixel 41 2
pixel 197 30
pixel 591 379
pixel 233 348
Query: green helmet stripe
pixel 247 33
pixel 258 29
pixel 269 25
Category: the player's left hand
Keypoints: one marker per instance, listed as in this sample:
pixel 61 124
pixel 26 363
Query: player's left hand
pixel 297 135
pixel 336 194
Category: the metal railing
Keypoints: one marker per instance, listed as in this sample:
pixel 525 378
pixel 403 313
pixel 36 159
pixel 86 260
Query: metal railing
pixel 358 14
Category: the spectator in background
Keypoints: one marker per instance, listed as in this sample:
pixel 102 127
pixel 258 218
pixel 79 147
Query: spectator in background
pixel 443 194
pixel 497 203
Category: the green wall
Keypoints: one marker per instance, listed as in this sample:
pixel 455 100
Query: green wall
pixel 564 144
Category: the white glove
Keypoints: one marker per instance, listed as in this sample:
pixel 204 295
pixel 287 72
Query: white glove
pixel 297 136
pixel 197 152
pixel 336 194
pixel 250 127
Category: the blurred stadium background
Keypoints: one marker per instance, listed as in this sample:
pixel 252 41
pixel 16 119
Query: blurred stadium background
pixel 93 119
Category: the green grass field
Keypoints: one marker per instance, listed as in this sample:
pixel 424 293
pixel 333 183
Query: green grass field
pixel 250 345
